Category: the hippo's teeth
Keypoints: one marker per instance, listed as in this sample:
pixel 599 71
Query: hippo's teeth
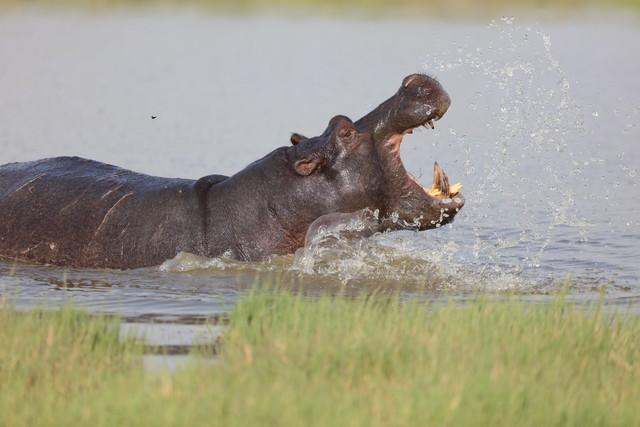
pixel 430 123
pixel 455 189
pixel 434 191
pixel 440 186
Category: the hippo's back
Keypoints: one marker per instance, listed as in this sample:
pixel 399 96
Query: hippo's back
pixel 79 212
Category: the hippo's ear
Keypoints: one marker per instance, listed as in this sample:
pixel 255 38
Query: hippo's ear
pixel 410 79
pixel 296 138
pixel 307 165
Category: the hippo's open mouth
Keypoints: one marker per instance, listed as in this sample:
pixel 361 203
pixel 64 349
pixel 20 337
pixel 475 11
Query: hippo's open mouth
pixel 419 206
pixel 440 187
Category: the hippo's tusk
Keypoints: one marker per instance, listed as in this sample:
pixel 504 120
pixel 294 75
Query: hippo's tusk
pixel 440 186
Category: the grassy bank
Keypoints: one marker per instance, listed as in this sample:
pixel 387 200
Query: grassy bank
pixel 289 361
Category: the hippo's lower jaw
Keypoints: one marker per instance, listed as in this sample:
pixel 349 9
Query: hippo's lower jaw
pixel 419 209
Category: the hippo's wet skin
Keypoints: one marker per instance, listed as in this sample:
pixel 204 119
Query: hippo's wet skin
pixel 77 212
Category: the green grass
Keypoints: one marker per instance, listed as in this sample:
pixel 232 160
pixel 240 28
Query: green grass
pixel 50 358
pixel 373 361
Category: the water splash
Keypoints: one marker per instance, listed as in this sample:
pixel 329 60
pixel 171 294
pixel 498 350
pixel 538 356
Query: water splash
pixel 185 261
pixel 394 259
pixel 518 164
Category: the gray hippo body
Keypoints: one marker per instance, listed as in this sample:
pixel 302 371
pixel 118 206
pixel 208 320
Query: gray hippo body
pixel 73 211
pixel 82 213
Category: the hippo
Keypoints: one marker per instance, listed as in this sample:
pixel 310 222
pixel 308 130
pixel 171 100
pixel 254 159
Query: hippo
pixel 75 212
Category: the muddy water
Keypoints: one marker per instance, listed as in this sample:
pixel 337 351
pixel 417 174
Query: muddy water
pixel 543 133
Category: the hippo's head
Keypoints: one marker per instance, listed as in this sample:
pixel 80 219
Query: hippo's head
pixel 419 101
pixel 338 168
pixel 358 165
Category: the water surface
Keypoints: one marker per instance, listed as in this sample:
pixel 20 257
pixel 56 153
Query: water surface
pixel 543 133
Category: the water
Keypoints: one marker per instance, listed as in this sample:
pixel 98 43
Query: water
pixel 542 132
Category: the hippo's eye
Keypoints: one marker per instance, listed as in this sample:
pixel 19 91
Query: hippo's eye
pixel 346 135
pixel 348 138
